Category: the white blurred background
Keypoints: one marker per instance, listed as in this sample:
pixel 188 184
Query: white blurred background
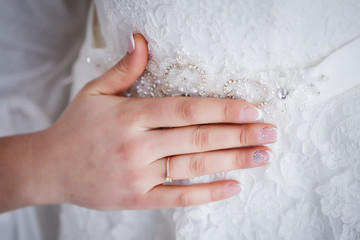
pixel 39 41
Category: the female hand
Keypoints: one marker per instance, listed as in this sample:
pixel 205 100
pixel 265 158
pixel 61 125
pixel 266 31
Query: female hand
pixel 109 152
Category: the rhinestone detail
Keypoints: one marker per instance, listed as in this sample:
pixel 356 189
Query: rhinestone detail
pixel 272 91
pixel 282 93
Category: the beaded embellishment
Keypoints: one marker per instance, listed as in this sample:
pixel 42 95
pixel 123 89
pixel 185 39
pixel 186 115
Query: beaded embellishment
pixel 277 89
pixel 273 91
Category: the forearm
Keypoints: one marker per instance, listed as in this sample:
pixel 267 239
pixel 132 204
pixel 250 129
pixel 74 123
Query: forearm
pixel 23 180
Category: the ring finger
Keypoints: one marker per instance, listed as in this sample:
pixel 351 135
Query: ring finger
pixel 198 164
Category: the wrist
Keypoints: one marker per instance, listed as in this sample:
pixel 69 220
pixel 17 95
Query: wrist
pixel 43 184
pixel 24 175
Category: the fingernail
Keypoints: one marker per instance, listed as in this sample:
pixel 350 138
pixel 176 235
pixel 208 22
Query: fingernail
pixel 269 134
pixel 262 156
pixel 233 189
pixel 252 114
pixel 131 46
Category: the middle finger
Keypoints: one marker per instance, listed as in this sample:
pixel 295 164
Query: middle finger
pixel 204 138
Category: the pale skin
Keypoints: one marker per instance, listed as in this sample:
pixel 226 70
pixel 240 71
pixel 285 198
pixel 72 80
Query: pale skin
pixel 109 152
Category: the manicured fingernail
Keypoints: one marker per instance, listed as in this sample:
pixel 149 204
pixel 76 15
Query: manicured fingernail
pixel 252 114
pixel 233 189
pixel 269 134
pixel 131 46
pixel 262 156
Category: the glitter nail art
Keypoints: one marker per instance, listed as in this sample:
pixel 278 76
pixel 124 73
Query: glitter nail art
pixel 262 156
pixel 269 134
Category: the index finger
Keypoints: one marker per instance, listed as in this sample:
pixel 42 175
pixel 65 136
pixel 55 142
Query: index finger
pixel 185 111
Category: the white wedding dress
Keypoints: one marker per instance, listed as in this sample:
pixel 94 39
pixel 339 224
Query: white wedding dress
pixel 298 60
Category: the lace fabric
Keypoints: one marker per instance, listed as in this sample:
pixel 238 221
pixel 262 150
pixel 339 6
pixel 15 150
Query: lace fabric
pixel 257 51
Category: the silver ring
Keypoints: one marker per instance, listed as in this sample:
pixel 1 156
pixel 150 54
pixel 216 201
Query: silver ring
pixel 168 178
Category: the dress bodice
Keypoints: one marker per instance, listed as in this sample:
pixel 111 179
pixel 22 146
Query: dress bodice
pixel 266 52
pixel 232 36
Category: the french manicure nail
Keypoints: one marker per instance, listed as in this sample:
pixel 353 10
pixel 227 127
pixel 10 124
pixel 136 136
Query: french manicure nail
pixel 131 46
pixel 233 189
pixel 262 156
pixel 252 114
pixel 269 134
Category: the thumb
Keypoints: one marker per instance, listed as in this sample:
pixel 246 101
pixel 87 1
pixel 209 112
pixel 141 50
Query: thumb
pixel 124 74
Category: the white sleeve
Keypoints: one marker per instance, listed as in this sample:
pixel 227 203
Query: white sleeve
pixel 39 41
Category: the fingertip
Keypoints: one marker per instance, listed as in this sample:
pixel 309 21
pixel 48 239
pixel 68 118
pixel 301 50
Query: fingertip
pixel 124 73
pixel 131 44
pixel 141 46
pixel 140 39
pixel 138 57
pixel 251 114
pixel 261 157
pixel 232 188
pixel 224 189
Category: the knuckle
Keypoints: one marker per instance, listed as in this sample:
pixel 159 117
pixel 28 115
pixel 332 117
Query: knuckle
pixel 226 112
pixel 120 67
pixel 172 168
pixel 186 110
pixel 130 117
pixel 133 117
pixel 197 165
pixel 159 108
pixel 126 152
pixel 129 151
pixel 184 199
pixel 135 182
pixel 200 137
pixel 243 136
pixel 238 160
pixel 134 176
pixel 214 196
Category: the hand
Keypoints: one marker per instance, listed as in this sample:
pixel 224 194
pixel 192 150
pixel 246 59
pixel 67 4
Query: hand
pixel 109 152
